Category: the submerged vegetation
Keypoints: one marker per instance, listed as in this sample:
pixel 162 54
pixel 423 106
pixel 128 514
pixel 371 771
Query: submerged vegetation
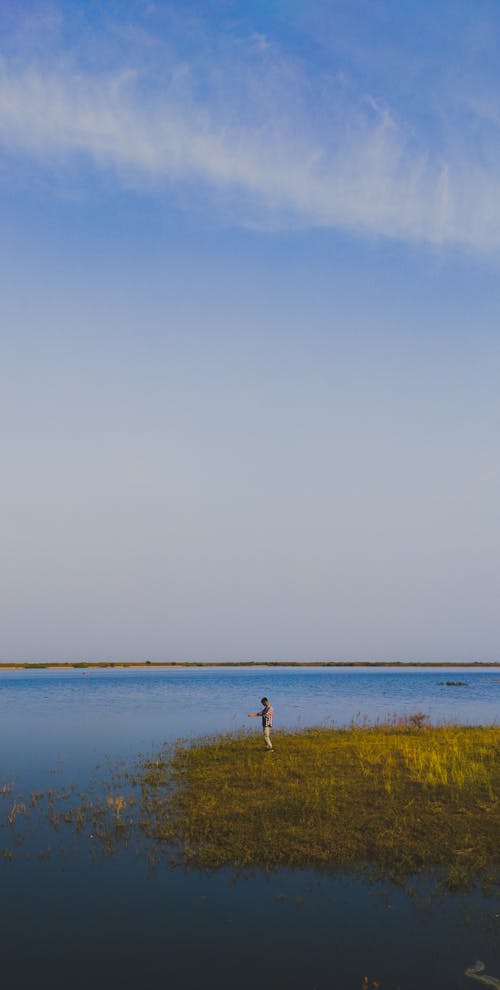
pixel 400 798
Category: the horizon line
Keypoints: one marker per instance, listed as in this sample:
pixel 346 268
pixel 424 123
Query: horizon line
pixel 96 664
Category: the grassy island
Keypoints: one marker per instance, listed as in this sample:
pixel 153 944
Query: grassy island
pixel 398 798
pixel 401 797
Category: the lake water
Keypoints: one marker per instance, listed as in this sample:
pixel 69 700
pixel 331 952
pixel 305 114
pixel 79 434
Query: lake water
pixel 117 922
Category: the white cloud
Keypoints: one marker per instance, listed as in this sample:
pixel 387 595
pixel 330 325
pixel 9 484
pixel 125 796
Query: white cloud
pixel 282 148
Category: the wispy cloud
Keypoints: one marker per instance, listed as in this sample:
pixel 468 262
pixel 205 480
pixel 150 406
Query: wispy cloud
pixel 261 134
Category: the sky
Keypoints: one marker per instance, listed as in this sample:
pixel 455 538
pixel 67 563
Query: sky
pixel 249 330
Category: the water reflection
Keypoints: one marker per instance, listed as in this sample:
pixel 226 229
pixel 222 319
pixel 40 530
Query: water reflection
pixel 115 924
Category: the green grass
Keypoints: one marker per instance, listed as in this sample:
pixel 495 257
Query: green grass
pixel 399 797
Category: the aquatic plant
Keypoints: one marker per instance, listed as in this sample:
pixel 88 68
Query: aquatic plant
pixel 18 808
pixel 399 797
pixel 117 802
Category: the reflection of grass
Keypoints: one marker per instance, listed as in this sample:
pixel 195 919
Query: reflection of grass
pixel 396 796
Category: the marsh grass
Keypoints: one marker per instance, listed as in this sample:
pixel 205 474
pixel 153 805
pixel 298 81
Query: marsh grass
pixel 399 797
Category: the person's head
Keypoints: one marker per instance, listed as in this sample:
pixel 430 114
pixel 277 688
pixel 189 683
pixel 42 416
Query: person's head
pixel 264 701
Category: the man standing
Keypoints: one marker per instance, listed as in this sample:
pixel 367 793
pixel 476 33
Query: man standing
pixel 267 720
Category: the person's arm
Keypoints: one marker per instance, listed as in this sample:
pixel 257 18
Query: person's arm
pixel 255 714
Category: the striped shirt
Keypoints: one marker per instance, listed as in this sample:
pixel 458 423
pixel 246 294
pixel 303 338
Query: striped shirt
pixel 267 716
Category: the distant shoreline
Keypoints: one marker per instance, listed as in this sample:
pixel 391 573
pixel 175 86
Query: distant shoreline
pixel 148 664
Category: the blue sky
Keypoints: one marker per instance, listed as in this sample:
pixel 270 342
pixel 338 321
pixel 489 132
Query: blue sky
pixel 249 352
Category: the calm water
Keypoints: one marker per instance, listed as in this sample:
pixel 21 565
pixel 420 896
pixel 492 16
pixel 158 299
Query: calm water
pixel 73 921
pixel 51 719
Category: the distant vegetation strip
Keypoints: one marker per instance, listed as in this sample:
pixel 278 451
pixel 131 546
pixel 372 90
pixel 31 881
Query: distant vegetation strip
pixel 104 664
